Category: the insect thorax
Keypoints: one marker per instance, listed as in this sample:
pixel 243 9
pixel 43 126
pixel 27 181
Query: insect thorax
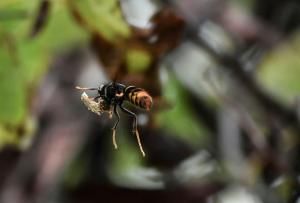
pixel 109 91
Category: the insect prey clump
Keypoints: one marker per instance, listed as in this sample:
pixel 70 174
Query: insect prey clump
pixel 97 107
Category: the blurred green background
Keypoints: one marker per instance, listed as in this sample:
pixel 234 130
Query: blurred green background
pixel 212 136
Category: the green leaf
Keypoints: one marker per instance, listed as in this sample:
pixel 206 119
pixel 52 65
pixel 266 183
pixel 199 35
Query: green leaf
pixel 280 71
pixel 104 17
pixel 24 61
pixel 180 119
pixel 13 93
pixel 137 60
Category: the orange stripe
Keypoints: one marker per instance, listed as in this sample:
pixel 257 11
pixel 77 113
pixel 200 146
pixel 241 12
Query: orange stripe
pixel 133 98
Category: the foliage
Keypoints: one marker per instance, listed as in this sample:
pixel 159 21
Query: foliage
pixel 281 69
pixel 24 61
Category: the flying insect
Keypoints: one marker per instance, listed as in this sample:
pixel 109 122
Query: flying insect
pixel 111 96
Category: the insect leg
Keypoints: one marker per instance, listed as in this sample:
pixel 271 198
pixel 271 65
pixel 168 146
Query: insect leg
pixel 132 115
pixel 115 127
pixel 135 130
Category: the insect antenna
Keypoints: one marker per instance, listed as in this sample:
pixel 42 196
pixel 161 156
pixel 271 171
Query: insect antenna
pixel 86 88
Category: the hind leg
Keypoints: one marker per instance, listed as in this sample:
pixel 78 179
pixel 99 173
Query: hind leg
pixel 115 127
pixel 134 129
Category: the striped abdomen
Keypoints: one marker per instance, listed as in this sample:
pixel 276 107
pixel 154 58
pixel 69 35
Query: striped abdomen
pixel 138 97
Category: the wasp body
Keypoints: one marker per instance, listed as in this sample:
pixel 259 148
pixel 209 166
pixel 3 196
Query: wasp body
pixel 113 95
pixel 116 94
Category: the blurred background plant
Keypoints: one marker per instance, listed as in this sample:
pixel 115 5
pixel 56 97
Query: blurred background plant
pixel 224 76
